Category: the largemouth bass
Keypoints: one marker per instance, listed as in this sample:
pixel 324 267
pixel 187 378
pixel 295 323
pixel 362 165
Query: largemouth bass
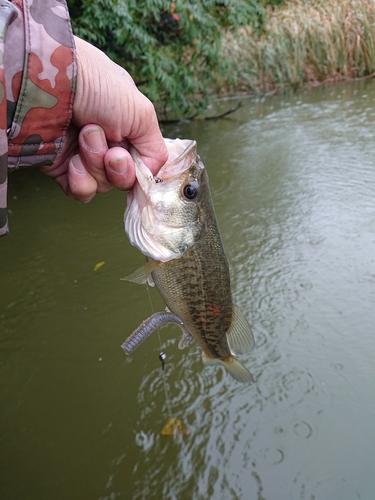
pixel 171 219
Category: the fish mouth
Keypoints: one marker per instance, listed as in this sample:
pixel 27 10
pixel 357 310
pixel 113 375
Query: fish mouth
pixel 181 154
pixel 176 165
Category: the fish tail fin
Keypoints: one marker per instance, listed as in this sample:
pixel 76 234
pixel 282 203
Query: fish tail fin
pixel 232 366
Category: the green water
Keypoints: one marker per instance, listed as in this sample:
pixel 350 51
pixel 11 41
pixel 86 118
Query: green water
pixel 293 185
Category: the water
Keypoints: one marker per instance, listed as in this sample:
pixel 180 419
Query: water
pixel 292 180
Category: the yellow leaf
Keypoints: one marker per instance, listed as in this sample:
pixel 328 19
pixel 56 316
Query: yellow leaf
pixel 173 427
pixel 99 265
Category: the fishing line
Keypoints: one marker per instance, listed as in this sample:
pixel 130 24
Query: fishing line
pixel 168 403
pixel 162 357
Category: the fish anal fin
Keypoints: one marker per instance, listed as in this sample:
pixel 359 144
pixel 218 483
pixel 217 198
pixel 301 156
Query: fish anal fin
pixel 239 336
pixel 143 274
pixel 232 366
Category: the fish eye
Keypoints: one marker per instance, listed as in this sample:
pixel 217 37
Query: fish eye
pixel 190 191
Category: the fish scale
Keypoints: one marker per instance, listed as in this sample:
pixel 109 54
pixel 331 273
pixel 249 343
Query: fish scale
pixel 191 298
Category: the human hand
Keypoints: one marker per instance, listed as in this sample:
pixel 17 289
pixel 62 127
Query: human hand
pixel 109 114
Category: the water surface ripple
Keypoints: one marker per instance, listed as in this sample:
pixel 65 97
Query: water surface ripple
pixel 293 185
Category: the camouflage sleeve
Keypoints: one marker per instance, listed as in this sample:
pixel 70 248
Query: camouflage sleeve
pixel 37 83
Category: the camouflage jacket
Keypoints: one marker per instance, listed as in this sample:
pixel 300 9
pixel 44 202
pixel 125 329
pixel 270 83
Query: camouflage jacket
pixel 37 82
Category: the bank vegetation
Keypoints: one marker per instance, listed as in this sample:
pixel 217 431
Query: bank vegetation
pixel 183 53
pixel 303 43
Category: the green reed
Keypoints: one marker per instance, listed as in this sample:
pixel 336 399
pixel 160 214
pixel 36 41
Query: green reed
pixel 304 42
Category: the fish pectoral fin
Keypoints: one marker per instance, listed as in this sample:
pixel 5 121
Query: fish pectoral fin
pixel 143 274
pixel 232 366
pixel 239 336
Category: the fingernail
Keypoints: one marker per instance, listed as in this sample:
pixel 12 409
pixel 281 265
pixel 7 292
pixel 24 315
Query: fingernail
pixel 118 166
pixel 78 165
pixel 94 140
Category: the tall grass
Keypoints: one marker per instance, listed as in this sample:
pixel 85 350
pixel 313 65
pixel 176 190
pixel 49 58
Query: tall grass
pixel 304 42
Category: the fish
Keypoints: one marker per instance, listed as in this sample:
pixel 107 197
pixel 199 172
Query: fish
pixel 171 219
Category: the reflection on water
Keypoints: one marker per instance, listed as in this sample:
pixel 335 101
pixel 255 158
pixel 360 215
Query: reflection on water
pixel 292 181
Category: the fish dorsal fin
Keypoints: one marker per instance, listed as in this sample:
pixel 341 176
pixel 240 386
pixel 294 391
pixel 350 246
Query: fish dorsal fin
pixel 143 274
pixel 239 336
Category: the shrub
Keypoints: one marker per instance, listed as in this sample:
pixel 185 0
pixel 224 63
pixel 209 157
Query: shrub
pixel 172 50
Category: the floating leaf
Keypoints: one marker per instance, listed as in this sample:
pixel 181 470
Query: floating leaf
pixel 173 427
pixel 99 265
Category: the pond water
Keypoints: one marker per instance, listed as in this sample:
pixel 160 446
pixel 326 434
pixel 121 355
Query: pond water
pixel 292 180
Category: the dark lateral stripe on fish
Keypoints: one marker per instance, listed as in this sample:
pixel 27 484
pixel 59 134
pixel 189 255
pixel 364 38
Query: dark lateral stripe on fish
pixel 148 326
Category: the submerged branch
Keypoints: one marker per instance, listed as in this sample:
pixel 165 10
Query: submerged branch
pixel 215 117
pixel 178 120
pixel 222 115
